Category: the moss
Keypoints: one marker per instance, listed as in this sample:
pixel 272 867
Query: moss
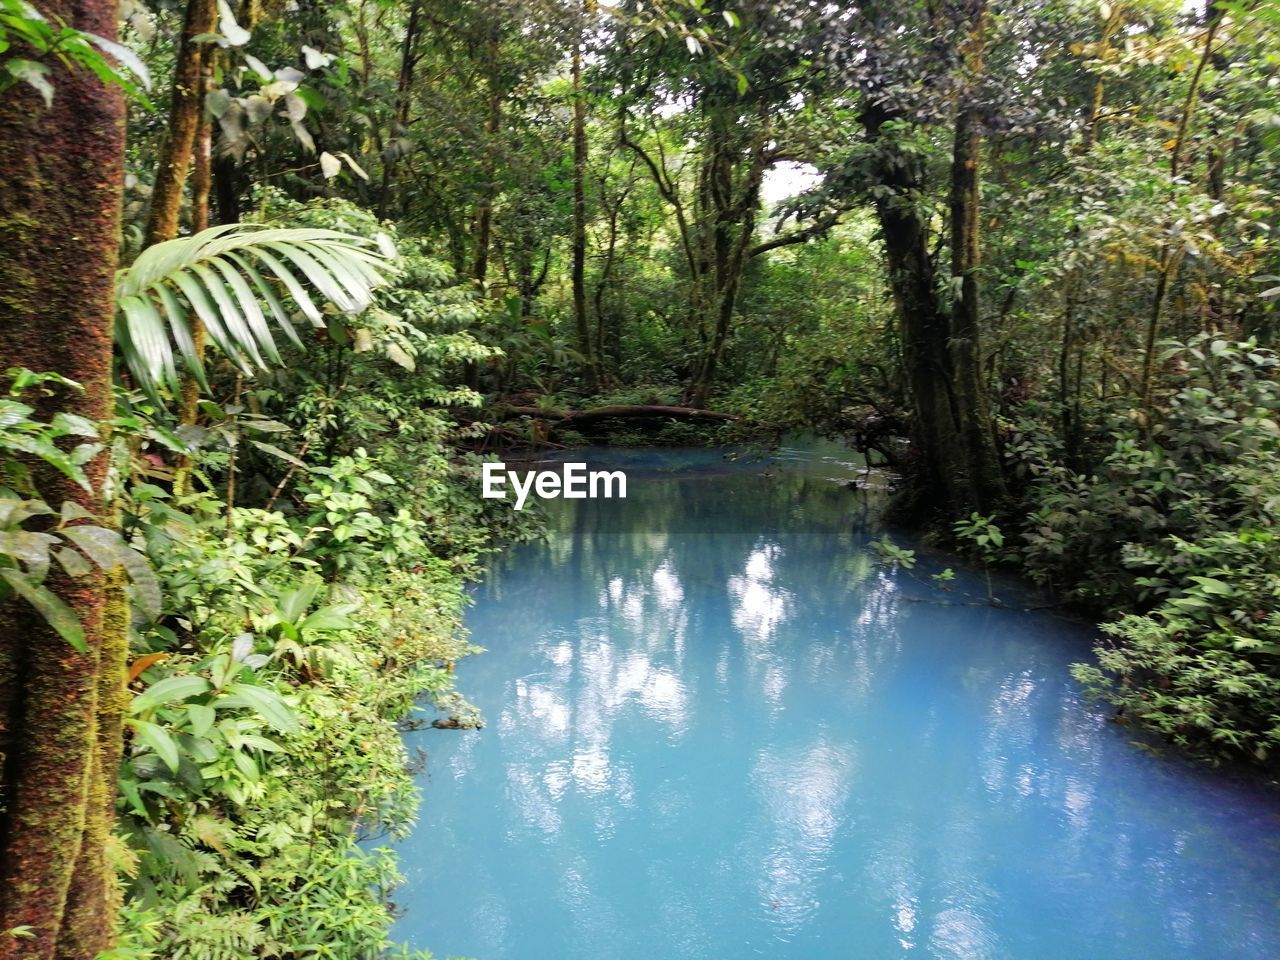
pixel 46 811
pixel 61 195
pixel 89 923
pixel 184 120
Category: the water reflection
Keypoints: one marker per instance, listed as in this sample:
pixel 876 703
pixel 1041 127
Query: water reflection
pixel 803 796
pixel 718 729
pixel 760 606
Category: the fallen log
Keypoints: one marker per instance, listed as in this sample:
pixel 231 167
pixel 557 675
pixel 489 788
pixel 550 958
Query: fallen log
pixel 638 410
pixel 569 419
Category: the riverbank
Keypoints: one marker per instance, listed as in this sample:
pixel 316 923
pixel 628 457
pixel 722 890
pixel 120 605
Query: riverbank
pixel 266 774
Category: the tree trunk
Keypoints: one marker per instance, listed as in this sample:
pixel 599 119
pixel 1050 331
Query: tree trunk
pixel 581 322
pixel 985 481
pixel 1073 343
pixel 608 348
pixel 940 433
pixel 482 225
pixel 1170 258
pixel 726 221
pixel 60 710
pixel 202 158
pixel 958 469
pixel 185 107
pixel 201 190
pixel 404 89
pixel 923 326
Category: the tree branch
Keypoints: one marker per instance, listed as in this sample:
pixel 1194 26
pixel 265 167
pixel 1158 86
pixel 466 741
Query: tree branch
pixel 815 229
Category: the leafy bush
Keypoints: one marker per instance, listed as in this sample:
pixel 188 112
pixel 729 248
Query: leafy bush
pixel 296 601
pixel 1180 521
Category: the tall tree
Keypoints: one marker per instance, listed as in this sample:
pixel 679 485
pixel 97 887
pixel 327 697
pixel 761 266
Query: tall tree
pixel 185 109
pixel 940 323
pixel 715 110
pixel 582 322
pixel 973 408
pixel 409 57
pixel 61 709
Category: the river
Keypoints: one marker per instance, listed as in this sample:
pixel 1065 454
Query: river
pixel 717 728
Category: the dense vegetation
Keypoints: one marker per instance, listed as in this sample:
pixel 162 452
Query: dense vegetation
pixel 1022 253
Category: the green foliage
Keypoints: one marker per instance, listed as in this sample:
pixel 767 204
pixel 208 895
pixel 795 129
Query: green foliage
pixel 1204 466
pixel 302 624
pixel 1213 702
pixel 891 555
pixel 20 432
pixel 79 541
pixel 264 746
pixel 217 277
pixel 811 355
pixel 983 535
pixel 1179 520
pixel 274 651
pixel 52 40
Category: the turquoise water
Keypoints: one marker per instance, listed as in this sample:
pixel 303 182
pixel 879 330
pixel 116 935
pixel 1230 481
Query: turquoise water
pixel 717 729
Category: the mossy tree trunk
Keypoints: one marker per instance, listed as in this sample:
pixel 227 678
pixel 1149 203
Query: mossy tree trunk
pixel 982 459
pixel 924 325
pixel 958 463
pixel 185 109
pixel 61 711
pixel 582 322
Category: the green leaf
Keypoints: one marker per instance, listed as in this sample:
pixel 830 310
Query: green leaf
pixel 29 548
pixel 218 273
pixel 266 703
pixel 55 612
pixel 217 102
pixel 311 98
pixel 201 717
pixel 246 765
pixel 46 451
pixel 72 562
pixel 330 618
pixel 260 743
pixel 167 691
pixel 245 341
pixel 70 423
pixel 158 739
pixel 268 295
pixel 146 343
pixel 295 603
pixel 34 75
pixel 277 452
pixel 208 313
pixel 1217 588
pixel 180 327
pixel 124 56
pixel 109 550
pixel 249 308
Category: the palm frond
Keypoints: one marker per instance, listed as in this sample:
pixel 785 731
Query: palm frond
pixel 237 280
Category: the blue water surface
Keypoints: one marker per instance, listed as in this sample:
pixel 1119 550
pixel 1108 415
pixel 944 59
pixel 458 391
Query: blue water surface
pixel 716 728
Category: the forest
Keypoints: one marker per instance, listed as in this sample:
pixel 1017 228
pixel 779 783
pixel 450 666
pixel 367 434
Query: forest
pixel 278 277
